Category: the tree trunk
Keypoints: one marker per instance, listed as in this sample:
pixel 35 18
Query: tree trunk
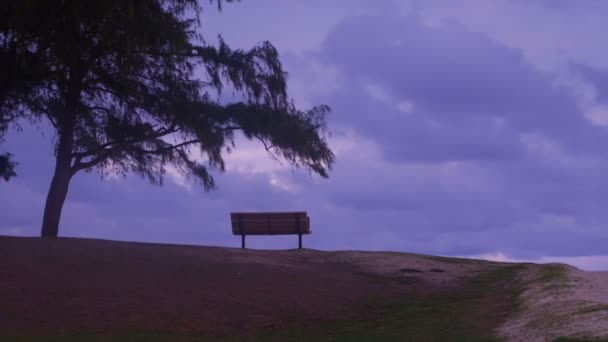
pixel 66 123
pixel 59 185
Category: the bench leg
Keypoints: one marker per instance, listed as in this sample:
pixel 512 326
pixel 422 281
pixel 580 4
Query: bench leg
pixel 299 241
pixel 243 241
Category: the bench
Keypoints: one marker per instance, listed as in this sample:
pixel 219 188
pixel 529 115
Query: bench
pixel 270 223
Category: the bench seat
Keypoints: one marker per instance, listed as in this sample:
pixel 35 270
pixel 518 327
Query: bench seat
pixel 270 223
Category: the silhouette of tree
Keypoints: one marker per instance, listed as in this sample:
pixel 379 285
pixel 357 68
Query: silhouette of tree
pixel 132 86
pixel 6 166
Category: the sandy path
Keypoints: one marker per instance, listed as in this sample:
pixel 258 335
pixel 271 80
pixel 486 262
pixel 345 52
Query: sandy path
pixel 573 305
pixel 594 286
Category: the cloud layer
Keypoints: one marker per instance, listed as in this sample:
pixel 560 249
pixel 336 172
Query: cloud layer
pixel 455 134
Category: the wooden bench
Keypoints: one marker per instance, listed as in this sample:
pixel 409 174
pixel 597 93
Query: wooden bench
pixel 270 223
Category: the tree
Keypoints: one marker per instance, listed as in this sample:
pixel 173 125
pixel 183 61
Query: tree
pixel 131 86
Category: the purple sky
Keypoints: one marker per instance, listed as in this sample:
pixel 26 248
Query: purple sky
pixel 464 128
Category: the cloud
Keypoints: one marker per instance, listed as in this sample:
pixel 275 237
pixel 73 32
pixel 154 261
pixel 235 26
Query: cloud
pixel 474 93
pixel 588 263
pixel 597 78
pixel 491 145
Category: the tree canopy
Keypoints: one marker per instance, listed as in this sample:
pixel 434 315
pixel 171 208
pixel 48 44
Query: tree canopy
pixel 133 86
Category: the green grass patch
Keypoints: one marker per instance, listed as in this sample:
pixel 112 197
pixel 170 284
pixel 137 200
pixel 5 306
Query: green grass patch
pixel 554 277
pixel 469 313
pixel 552 273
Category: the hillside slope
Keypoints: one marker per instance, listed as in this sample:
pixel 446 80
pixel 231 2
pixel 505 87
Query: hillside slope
pixel 97 288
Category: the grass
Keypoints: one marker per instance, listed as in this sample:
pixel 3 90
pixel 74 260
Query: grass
pixel 554 277
pixel 552 273
pixel 469 314
pixel 113 338
pixel 457 316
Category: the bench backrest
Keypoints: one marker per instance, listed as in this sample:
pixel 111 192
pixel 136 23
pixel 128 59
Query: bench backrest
pixel 270 223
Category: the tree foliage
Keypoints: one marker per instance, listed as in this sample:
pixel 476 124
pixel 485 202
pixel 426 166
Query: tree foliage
pixel 7 166
pixel 133 86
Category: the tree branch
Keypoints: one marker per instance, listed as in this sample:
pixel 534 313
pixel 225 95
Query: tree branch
pixel 104 147
pixel 78 165
pixel 104 150
pixel 171 147
pixel 53 122
pixel 268 149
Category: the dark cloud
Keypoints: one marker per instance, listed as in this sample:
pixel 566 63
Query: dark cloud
pixel 566 5
pixel 471 96
pixel 448 69
pixel 525 149
pixel 597 77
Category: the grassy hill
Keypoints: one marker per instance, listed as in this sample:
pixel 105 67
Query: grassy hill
pixel 80 289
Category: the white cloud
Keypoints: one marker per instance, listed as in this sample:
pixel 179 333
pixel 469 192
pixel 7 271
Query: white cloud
pixel 250 157
pixel 540 145
pixel 405 106
pixel 586 96
pixel 377 92
pixel 178 178
pixel 598 114
pixel 281 183
pixel 587 262
pixel 380 94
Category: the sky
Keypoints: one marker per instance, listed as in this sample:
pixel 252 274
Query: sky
pixel 461 128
